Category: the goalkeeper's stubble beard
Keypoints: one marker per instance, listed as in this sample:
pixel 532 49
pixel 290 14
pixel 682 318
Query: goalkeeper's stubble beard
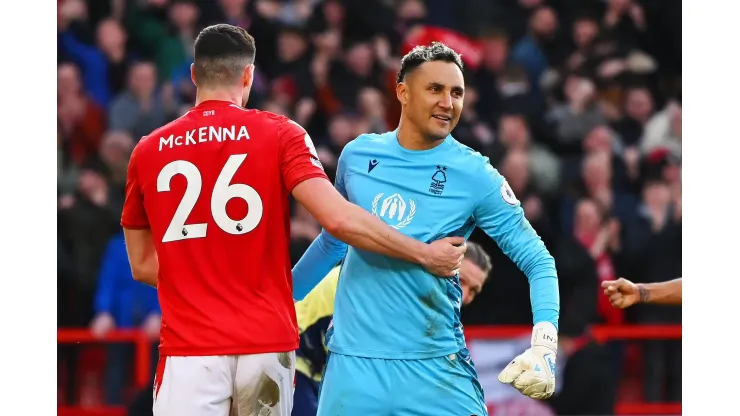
pixel 427 126
pixel 434 130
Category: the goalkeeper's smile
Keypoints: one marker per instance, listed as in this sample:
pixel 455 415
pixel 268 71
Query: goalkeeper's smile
pixel 435 92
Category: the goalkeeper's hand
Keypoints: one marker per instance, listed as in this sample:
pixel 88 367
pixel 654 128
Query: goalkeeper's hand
pixel 533 372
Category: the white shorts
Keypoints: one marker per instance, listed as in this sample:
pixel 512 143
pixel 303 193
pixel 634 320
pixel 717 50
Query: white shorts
pixel 225 385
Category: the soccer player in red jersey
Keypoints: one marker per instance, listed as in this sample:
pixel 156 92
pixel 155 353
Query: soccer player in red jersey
pixel 206 221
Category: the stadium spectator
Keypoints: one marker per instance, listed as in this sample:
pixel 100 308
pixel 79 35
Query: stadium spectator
pixel 169 43
pixel 81 121
pixel 514 134
pixel 654 246
pixel 580 113
pixel 142 107
pixel 517 168
pixel 541 47
pixel 121 302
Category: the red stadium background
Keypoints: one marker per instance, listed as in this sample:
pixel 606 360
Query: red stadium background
pixel 628 402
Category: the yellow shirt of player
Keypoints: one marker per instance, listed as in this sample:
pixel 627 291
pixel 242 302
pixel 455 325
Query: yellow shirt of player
pixel 314 315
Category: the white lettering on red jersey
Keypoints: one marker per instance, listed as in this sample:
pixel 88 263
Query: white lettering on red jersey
pixel 213 186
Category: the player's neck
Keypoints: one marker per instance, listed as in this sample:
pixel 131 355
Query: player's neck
pixel 411 138
pixel 205 94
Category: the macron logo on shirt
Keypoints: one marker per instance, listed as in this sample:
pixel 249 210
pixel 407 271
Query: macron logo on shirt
pixel 371 165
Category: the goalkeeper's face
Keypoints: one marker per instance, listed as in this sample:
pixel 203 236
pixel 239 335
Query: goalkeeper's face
pixel 433 98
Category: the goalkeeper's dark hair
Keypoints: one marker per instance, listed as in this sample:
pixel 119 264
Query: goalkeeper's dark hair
pixel 436 51
pixel 222 52
pixel 479 257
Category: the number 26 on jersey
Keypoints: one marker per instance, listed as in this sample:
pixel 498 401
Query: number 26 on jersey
pixel 223 191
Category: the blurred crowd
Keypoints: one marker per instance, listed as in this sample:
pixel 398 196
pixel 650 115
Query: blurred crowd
pixel 576 102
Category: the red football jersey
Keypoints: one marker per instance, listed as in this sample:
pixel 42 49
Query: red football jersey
pixel 213 187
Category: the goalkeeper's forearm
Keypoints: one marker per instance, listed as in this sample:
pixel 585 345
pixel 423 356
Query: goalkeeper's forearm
pixel 666 293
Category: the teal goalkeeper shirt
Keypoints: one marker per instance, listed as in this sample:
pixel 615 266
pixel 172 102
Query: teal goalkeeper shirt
pixel 392 309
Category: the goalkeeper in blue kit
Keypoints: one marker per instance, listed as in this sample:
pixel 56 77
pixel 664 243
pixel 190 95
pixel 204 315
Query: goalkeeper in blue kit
pixel 314 313
pixel 396 345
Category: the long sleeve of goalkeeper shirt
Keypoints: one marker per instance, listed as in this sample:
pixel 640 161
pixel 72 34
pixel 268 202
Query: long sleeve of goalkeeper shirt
pixel 501 216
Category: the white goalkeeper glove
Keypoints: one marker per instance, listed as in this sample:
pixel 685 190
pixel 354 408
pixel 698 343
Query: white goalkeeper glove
pixel 533 372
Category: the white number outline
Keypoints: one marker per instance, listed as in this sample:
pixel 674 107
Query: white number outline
pixel 307 140
pixel 223 191
pixel 311 147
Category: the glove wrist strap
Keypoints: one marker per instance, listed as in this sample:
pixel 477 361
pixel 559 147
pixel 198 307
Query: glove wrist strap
pixel 544 334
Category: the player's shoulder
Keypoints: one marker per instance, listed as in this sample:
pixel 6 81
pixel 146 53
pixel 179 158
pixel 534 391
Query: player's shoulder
pixel 475 162
pixel 368 141
pixel 279 121
pixel 150 142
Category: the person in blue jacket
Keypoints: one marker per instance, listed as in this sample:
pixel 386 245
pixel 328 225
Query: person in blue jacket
pixel 123 303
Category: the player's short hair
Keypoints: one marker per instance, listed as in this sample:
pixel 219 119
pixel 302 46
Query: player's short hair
pixel 479 257
pixel 436 51
pixel 222 52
